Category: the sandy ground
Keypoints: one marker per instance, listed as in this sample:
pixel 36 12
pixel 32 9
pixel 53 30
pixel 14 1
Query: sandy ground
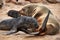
pixel 55 8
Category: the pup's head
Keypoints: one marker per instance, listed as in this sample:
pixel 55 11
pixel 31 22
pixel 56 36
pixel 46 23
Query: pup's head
pixel 13 13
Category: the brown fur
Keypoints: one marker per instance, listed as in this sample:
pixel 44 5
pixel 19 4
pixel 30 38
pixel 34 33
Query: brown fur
pixel 40 12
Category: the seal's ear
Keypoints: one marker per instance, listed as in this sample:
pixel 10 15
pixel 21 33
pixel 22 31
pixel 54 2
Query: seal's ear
pixel 13 13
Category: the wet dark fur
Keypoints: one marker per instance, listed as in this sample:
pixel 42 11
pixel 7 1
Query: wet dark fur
pixel 13 13
pixel 22 23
